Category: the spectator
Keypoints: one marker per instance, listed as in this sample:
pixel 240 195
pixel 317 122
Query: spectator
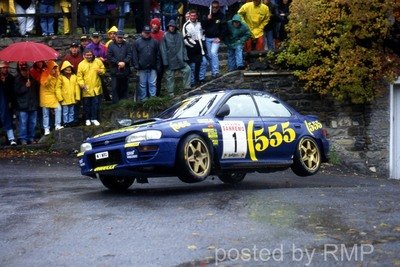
pixel 256 15
pixel 85 22
pixel 283 10
pixel 88 76
pixel 193 38
pixel 37 69
pixel 100 13
pixel 25 23
pixel 47 22
pixel 124 9
pixel 238 34
pixel 139 14
pixel 7 7
pixel 213 26
pixel 48 97
pixel 119 56
pixel 84 40
pixel 6 112
pixel 157 34
pixel 146 60
pixel 174 57
pixel 68 93
pixel 27 103
pixel 66 10
pixel 112 12
pixel 100 51
pixel 169 11
pixel 111 35
pixel 269 30
pixel 74 57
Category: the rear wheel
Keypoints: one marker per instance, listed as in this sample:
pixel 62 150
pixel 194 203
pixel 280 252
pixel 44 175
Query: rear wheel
pixel 232 177
pixel 307 158
pixel 194 159
pixel 116 183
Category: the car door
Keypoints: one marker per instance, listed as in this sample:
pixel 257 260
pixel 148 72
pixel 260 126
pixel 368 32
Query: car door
pixel 234 144
pixel 281 129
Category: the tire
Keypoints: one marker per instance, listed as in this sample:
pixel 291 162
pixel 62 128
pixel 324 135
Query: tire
pixel 116 183
pixel 232 177
pixel 194 159
pixel 307 157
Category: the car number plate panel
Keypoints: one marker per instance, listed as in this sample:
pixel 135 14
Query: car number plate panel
pixel 101 155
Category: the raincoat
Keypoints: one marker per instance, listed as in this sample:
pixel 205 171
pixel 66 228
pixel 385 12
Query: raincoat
pixel 256 17
pixel 89 75
pixel 67 89
pixel 47 92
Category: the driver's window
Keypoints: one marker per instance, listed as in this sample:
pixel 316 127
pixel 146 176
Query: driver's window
pixel 241 106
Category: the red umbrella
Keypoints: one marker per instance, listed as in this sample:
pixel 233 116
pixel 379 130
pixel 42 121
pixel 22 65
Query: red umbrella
pixel 28 51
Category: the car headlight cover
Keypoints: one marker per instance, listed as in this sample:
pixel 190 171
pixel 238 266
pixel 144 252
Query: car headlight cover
pixel 144 135
pixel 86 147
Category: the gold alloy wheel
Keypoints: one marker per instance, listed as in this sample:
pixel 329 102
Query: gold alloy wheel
pixel 198 157
pixel 310 155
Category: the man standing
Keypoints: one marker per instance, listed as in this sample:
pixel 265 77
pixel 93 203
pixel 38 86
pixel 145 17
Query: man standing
pixel 238 34
pixel 213 31
pixel 74 56
pixel 174 57
pixel 25 23
pixel 157 34
pixel 146 60
pixel 256 15
pixel 6 92
pixel 88 76
pixel 119 55
pixel 193 38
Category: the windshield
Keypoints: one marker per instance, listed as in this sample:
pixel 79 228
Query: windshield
pixel 195 106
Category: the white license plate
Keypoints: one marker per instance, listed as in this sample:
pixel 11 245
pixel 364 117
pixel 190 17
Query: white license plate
pixel 102 155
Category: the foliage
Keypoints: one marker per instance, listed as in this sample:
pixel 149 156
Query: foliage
pixel 338 47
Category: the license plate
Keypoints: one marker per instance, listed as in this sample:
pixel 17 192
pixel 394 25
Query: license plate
pixel 101 155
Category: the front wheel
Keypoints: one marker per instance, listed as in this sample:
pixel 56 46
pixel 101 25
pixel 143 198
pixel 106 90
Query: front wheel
pixel 116 183
pixel 194 159
pixel 307 158
pixel 232 177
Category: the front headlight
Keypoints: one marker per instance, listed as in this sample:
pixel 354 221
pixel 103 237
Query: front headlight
pixel 142 136
pixel 85 147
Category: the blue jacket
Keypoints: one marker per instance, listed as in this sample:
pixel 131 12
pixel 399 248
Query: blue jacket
pixel 146 54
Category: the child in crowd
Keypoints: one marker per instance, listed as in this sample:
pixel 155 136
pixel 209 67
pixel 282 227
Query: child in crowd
pixel 48 98
pixel 68 92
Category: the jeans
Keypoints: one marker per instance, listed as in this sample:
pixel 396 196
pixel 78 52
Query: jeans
pixel 212 49
pixel 269 40
pixel 202 71
pixel 46 117
pixel 68 113
pixel 47 23
pixel 25 23
pixel 91 107
pixel 170 79
pixel 235 57
pixel 27 124
pixel 123 9
pixel 147 77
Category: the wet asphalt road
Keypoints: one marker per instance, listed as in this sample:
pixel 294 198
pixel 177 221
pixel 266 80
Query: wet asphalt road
pixel 52 216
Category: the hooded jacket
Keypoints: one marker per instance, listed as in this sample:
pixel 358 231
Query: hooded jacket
pixel 89 76
pixel 173 50
pixel 256 17
pixel 67 89
pixel 159 34
pixel 48 97
pixel 237 36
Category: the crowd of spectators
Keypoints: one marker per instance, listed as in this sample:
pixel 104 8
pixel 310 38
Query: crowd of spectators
pixel 57 95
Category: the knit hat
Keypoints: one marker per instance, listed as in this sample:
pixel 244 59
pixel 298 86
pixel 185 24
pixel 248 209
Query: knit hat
pixel 156 21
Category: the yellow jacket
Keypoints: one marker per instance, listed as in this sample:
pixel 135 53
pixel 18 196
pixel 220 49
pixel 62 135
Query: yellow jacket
pixel 7 7
pixel 89 77
pixel 256 17
pixel 48 98
pixel 65 3
pixel 67 89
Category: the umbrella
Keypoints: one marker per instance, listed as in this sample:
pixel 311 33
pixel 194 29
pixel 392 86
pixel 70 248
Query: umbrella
pixel 28 51
pixel 208 2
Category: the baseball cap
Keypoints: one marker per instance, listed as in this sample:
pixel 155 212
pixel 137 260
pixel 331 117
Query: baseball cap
pixel 95 34
pixel 74 44
pixel 120 34
pixel 146 28
pixel 83 37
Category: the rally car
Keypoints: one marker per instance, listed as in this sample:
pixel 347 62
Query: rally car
pixel 224 133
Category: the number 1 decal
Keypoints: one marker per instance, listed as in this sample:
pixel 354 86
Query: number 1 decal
pixel 234 139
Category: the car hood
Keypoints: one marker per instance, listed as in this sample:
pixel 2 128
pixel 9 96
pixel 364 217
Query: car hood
pixel 125 131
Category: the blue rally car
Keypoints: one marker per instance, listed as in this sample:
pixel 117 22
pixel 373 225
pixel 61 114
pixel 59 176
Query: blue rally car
pixel 224 133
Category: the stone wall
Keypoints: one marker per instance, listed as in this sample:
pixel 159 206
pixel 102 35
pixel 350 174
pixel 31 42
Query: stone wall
pixel 359 134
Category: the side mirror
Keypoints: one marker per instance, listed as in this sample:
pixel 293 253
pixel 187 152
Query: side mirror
pixel 223 111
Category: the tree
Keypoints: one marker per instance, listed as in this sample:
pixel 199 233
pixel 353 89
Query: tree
pixel 338 46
